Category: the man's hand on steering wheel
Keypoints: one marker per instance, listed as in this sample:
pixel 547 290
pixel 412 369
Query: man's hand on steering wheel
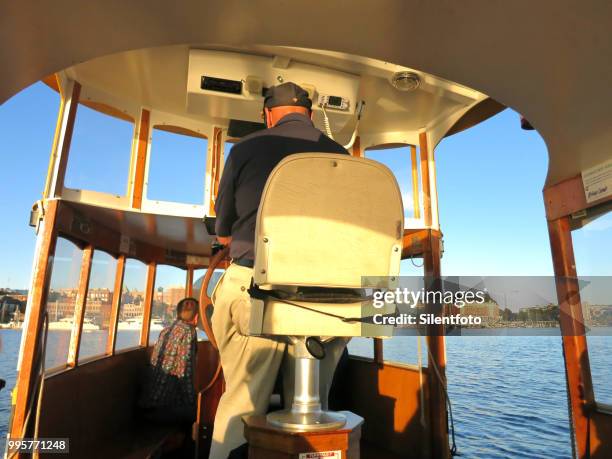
pixel 224 240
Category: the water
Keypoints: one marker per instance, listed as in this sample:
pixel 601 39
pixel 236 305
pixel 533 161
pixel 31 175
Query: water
pixel 508 392
pixel 9 348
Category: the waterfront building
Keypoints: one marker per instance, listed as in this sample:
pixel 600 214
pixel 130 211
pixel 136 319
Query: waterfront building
pixel 487 311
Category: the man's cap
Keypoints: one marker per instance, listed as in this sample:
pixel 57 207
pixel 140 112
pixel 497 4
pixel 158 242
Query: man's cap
pixel 287 94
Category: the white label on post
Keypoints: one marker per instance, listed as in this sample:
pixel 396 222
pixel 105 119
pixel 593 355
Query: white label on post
pixel 597 181
pixel 322 455
pixel 195 260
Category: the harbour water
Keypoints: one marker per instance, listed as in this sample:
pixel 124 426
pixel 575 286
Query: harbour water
pixel 507 392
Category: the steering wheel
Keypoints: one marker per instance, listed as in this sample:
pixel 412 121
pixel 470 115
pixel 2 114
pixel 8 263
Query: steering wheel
pixel 205 301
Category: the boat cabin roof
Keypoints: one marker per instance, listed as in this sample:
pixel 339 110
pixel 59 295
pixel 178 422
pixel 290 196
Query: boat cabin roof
pixel 170 82
pixel 550 61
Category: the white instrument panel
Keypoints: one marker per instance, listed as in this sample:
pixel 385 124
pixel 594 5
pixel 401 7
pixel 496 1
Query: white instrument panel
pixel 244 102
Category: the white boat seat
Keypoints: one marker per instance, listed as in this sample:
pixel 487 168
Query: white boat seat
pixel 324 222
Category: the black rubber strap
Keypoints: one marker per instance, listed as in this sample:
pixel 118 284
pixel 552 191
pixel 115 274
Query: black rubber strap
pixel 260 294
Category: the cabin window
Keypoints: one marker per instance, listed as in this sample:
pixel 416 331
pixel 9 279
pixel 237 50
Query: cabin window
pixel 98 305
pixel 593 252
pixel 362 347
pixel 177 166
pixel 227 150
pixel 169 290
pixel 198 279
pixel 399 161
pixel 132 304
pixel 405 349
pixel 100 151
pixel 402 349
pixel 63 288
pixel 412 267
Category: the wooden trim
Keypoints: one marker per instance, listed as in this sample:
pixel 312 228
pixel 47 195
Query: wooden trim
pixel 415 182
pixel 54 146
pixel 148 305
pixel 141 158
pixel 60 175
pixel 79 307
pixel 179 130
pixel 116 306
pixel 189 282
pixel 575 352
pixel 418 241
pixel 435 333
pixel 37 300
pixel 425 182
pixel 356 150
pixel 109 240
pixel 61 143
pixel 567 197
pixel 436 344
pixel 378 351
pixel 108 110
pixel 215 170
pixel 52 82
pixel 60 86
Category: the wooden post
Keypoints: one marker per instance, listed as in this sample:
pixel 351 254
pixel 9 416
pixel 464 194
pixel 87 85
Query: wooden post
pixel 378 351
pixel 55 145
pixel 148 305
pixel 79 307
pixel 356 150
pixel 415 181
pixel 36 307
pixel 575 352
pixel 115 306
pixel 425 178
pixel 61 142
pixel 189 282
pixel 215 171
pixel 435 333
pixel 266 441
pixel 141 158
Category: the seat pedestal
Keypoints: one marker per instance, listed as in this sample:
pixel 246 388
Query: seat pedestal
pixel 267 441
pixel 305 412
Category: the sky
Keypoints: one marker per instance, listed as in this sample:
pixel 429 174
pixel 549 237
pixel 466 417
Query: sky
pixel 490 181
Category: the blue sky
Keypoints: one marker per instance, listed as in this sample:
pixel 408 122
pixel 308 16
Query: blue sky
pixel 490 181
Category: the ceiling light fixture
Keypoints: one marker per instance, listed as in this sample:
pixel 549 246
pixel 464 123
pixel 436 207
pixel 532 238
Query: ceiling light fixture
pixel 405 81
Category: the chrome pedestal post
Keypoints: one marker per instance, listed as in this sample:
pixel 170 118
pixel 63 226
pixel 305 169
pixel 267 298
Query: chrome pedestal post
pixel 306 413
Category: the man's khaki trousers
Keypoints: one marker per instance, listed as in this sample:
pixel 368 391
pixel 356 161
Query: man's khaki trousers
pixel 251 363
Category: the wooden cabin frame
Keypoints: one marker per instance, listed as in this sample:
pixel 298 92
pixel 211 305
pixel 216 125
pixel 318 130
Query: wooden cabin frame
pixel 61 206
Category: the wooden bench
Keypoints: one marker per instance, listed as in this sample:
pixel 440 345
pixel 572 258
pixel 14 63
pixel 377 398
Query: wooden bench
pixel 94 405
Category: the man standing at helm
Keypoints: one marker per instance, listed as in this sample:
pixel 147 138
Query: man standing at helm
pixel 250 363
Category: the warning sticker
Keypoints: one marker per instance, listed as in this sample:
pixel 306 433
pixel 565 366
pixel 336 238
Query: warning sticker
pixel 597 181
pixel 322 455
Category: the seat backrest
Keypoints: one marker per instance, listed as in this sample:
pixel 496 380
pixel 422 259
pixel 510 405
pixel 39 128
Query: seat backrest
pixel 327 220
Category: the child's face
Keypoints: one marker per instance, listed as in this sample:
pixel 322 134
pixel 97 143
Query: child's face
pixel 189 313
